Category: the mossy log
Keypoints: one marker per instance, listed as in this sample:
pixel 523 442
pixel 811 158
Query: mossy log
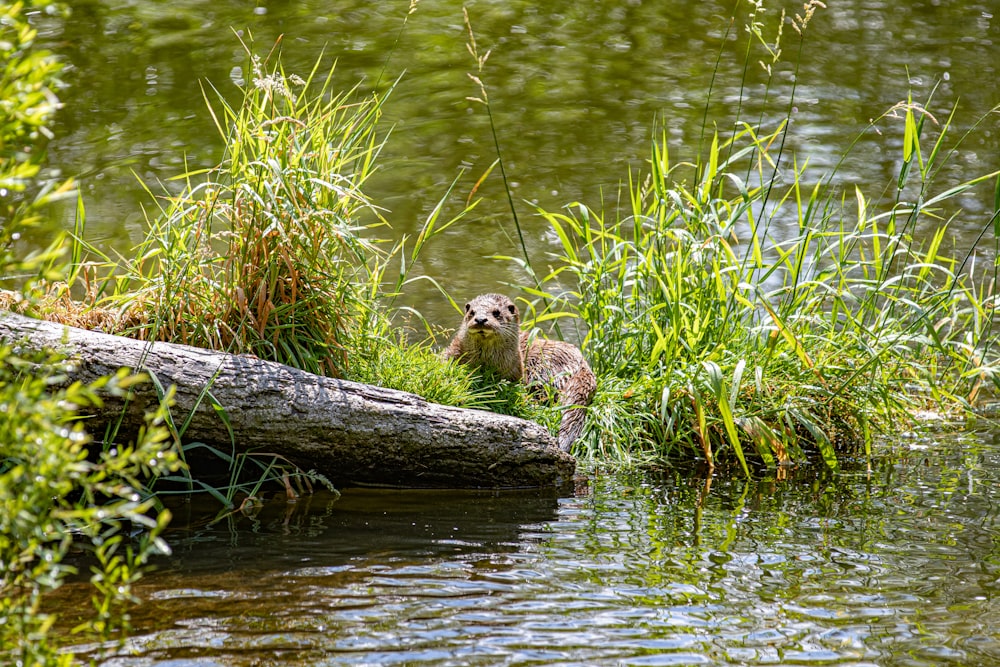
pixel 353 433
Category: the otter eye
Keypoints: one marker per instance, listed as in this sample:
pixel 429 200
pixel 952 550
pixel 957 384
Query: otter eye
pixel 512 308
pixel 496 314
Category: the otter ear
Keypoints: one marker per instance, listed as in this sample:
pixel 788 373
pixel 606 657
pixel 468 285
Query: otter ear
pixel 513 309
pixel 467 306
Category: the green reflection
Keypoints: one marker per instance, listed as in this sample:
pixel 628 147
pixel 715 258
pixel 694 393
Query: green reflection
pixel 576 89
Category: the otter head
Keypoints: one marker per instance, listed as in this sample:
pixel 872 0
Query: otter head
pixel 491 314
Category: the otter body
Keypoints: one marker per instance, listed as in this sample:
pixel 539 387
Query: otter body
pixel 490 337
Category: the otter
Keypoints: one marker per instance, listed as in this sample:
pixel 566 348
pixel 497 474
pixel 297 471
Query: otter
pixel 490 337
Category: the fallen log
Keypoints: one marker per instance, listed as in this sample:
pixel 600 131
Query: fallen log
pixel 350 432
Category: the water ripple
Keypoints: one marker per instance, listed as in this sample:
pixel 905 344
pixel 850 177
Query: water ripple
pixel 753 573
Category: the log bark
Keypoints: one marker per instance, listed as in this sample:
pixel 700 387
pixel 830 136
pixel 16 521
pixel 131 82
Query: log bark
pixel 353 433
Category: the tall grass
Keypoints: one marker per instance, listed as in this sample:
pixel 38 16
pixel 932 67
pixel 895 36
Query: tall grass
pixel 265 253
pixel 717 334
pixel 725 340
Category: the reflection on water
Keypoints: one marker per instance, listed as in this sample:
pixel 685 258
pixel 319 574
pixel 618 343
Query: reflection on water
pixel 896 568
pixel 577 90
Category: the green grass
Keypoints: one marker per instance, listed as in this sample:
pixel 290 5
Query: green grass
pixel 718 334
pixel 714 336
pixel 267 253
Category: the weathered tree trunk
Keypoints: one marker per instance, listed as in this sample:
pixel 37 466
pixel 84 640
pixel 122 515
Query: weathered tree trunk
pixel 350 432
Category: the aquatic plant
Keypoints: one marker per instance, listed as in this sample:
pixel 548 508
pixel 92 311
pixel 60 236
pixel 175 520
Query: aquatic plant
pixel 721 335
pixel 717 332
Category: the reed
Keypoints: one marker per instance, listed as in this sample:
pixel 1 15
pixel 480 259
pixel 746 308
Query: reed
pixel 730 342
pixel 267 252
pixel 714 336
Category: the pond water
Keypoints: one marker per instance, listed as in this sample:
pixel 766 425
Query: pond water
pixel 897 567
pixel 578 92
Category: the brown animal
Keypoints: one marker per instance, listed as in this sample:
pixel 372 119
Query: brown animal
pixel 490 337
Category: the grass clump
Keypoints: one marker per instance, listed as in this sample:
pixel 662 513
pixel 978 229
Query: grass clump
pixel 266 253
pixel 393 362
pixel 734 312
pixel 717 333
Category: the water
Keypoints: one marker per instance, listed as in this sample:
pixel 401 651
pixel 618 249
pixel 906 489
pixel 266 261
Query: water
pixel 899 567
pixel 578 92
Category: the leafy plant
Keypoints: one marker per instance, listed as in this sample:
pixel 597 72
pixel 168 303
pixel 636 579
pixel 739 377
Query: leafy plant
pixel 29 78
pixel 56 491
pixel 54 495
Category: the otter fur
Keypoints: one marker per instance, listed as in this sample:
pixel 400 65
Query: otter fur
pixel 490 338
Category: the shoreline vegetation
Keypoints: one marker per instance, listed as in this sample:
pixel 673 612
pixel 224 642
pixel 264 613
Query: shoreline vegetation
pixel 59 493
pixel 713 338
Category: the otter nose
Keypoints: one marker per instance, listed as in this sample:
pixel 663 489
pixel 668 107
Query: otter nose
pixel 480 320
